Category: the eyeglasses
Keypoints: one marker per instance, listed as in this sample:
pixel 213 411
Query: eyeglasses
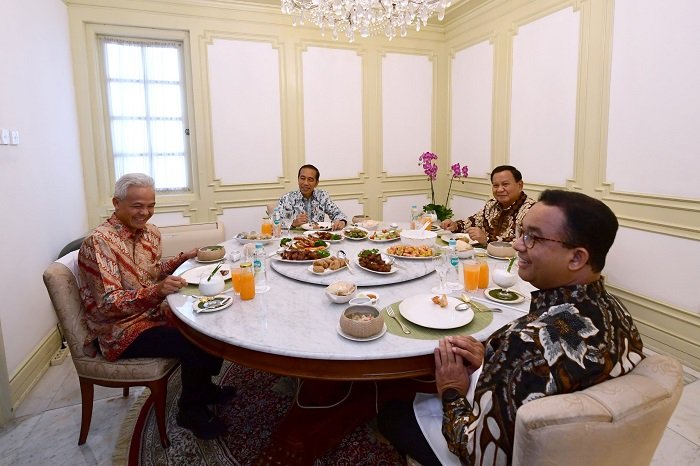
pixel 530 239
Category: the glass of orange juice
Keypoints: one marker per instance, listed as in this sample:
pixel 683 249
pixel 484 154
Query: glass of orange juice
pixel 483 272
pixel 266 227
pixel 236 279
pixel 247 282
pixel 470 269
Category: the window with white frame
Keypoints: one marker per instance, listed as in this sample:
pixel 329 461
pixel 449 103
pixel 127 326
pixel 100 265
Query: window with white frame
pixel 147 112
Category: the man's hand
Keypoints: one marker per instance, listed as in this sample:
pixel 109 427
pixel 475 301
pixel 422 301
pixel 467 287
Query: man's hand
pixel 191 254
pixel 477 234
pixel 449 225
pixel 450 370
pixel 470 349
pixel 339 224
pixel 170 284
pixel 301 219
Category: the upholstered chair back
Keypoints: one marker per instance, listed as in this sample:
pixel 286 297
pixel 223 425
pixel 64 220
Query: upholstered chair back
pixel 619 421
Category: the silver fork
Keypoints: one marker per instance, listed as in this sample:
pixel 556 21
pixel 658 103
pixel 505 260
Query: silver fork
pixel 391 313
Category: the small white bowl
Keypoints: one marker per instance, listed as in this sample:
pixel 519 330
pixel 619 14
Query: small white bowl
pixel 371 295
pixel 361 301
pixel 341 292
pixel 370 224
pixel 418 237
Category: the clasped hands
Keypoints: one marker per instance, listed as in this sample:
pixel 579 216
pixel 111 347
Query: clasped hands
pixel 456 358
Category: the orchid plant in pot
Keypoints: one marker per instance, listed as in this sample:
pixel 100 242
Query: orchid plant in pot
pixel 427 159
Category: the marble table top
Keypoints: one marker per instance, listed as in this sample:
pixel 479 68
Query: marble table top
pixel 297 319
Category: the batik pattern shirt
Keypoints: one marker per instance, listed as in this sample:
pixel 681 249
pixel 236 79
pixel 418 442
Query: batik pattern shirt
pixel 319 205
pixel 119 271
pixel 572 338
pixel 499 223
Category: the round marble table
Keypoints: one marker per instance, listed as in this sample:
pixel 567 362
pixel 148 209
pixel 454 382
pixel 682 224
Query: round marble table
pixel 292 330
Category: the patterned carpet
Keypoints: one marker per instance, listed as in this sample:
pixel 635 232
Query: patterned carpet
pixel 262 401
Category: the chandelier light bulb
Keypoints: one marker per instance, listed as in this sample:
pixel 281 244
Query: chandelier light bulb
pixel 366 17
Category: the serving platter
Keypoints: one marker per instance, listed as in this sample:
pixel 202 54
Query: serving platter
pixel 315 232
pixel 317 226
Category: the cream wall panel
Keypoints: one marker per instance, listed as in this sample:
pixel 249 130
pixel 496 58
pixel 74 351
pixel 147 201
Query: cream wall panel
pixel 164 219
pixel 657 266
pixel 246 128
pixel 407 111
pixel 471 91
pixel 236 220
pixel 543 106
pixel 398 208
pixel 332 86
pixel 463 207
pixel 654 99
pixel 350 207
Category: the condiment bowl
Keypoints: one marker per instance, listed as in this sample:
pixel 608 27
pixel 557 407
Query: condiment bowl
pixel 500 249
pixel 341 292
pixel 210 253
pixel 361 321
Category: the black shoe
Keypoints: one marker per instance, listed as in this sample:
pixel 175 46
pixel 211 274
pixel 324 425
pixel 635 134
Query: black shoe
pixel 219 395
pixel 201 422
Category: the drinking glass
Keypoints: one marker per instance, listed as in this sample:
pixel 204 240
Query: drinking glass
pixel 441 262
pixel 287 218
pixel 504 279
pixel 470 268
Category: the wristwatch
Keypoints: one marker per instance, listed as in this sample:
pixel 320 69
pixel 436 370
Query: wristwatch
pixel 450 395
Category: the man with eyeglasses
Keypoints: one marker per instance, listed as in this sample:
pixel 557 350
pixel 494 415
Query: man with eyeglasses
pixel 502 216
pixel 575 335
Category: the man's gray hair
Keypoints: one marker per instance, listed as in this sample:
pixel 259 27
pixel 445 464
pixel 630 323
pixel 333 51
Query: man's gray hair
pixel 123 184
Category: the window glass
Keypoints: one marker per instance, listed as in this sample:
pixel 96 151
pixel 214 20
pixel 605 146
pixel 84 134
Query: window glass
pixel 147 111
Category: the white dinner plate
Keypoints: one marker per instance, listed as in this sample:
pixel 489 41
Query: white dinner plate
pixel 382 240
pixel 325 271
pixel 213 261
pixel 317 226
pixel 212 303
pixel 194 274
pixel 406 257
pixel 394 269
pixel 489 291
pixel 350 337
pixel 305 261
pixel 420 309
pixel 356 228
pixel 463 236
pixel 339 232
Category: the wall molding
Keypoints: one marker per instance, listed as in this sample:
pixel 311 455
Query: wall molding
pixel 666 328
pixel 33 367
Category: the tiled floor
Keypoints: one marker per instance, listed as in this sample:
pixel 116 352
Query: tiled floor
pixel 46 425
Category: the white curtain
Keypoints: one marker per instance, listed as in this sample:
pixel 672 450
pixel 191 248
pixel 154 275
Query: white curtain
pixel 147 113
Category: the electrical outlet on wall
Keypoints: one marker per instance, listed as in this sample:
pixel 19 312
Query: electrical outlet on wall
pixel 4 136
pixel 14 137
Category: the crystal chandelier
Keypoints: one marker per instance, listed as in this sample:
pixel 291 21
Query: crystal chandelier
pixel 365 16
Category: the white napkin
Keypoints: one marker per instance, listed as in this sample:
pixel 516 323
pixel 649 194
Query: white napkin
pixel 428 410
